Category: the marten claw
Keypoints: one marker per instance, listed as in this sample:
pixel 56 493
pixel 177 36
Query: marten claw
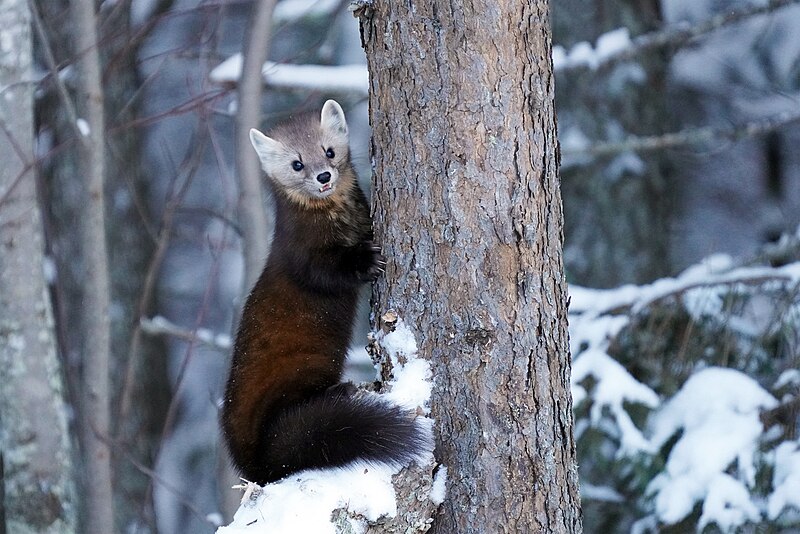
pixel 374 261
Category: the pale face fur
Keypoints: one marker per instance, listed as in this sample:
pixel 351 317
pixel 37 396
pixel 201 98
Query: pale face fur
pixel 297 156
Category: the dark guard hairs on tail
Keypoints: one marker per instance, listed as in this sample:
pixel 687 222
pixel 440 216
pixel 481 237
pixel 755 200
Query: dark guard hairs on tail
pixel 284 409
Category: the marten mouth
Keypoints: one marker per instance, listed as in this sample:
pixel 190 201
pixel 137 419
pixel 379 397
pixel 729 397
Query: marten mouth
pixel 326 187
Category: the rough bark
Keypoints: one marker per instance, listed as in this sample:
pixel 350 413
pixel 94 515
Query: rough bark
pixel 468 211
pixel 36 471
pixel 95 406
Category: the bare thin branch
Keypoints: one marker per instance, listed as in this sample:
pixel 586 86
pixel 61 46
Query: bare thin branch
pixel 689 136
pixel 163 241
pixel 95 407
pixel 47 49
pixel 158 326
pixel 155 477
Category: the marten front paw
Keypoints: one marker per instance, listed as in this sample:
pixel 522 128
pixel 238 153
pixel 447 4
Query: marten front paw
pixel 374 262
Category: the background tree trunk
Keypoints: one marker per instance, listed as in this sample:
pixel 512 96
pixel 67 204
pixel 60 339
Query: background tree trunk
pixel 132 233
pixel 95 309
pixel 468 211
pixel 37 469
pixel 252 215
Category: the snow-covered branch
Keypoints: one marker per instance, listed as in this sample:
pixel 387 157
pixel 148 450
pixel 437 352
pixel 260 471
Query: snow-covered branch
pixel 615 46
pixel 716 270
pixel 323 78
pixel 294 10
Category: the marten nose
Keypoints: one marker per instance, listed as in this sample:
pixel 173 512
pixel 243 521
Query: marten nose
pixel 324 177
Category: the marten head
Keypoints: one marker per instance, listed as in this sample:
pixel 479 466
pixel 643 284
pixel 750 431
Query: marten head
pixel 308 159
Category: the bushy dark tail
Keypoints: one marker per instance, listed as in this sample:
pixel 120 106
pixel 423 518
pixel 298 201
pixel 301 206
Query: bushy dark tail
pixel 335 429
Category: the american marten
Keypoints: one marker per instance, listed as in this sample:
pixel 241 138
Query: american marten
pixel 285 409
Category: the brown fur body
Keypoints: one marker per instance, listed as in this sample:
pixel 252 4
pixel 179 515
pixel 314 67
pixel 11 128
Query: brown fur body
pixel 283 410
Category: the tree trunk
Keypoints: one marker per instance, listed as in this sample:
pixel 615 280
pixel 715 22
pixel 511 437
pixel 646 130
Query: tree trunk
pixel 37 469
pixel 252 215
pixel 95 405
pixel 468 211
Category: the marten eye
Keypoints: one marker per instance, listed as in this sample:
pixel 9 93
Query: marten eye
pixel 297 165
pixel 330 153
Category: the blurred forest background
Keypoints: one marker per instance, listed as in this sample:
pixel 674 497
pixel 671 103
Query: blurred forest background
pixel 679 123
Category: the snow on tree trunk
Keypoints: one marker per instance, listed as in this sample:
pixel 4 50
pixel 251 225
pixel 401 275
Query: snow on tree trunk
pixel 38 495
pixel 468 211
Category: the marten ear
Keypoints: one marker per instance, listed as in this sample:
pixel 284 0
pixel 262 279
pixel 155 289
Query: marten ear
pixel 332 120
pixel 267 148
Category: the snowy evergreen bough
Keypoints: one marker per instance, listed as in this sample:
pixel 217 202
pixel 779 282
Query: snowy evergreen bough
pixel 687 397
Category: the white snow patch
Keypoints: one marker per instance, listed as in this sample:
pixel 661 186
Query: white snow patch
pixel 713 270
pixel 223 341
pixel 785 480
pixel 728 505
pixel 790 377
pixel 583 54
pixel 49 269
pixel 16 342
pixel 304 502
pixel 559 57
pixel 600 493
pixel 439 487
pixel 412 380
pixel 215 518
pixel 293 10
pixel 718 412
pixel 400 343
pixel 614 387
pixel 704 302
pixel 612 43
pixel 626 164
pixel 83 127
pixel 594 332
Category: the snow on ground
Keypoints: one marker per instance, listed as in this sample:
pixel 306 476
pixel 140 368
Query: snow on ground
pixel 305 501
